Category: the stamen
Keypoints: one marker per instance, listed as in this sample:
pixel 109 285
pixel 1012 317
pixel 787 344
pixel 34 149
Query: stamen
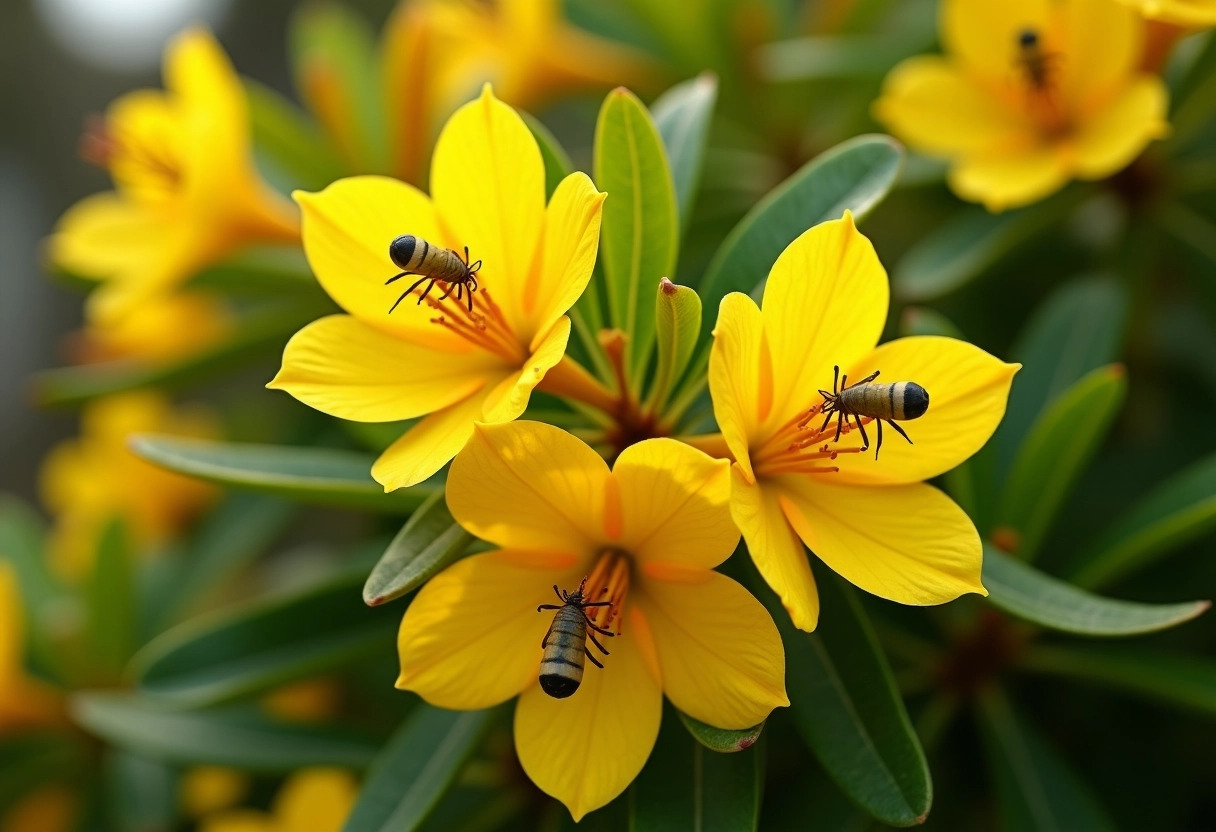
pixel 486 329
pixel 608 581
pixel 797 447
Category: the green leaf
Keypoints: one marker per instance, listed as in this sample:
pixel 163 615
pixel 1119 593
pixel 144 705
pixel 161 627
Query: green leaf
pixel 1055 454
pixel 29 759
pixel 1174 514
pixel 324 476
pixel 921 320
pixel 1189 681
pixel 848 709
pixel 557 162
pixel 264 643
pixel 720 739
pixel 1021 590
pixel 292 141
pixel 271 270
pixel 1036 789
pixel 142 793
pixel 22 534
pixel 417 766
pixel 686 786
pixel 969 243
pixel 831 57
pixel 639 236
pixel 677 311
pixel 238 736
pixel 428 543
pixel 112 605
pixel 682 116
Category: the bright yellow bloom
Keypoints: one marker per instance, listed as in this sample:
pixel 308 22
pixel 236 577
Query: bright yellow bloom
pixel 187 192
pixel 1193 14
pixel 872 521
pixel 208 789
pixel 441 361
pixel 90 480
pixel 24 701
pixel 1031 94
pixel 159 330
pixel 312 800
pixel 646 536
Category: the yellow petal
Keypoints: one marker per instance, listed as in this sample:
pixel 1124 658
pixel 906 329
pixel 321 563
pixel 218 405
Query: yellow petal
pixel 341 366
pixel 675 505
pixel 488 183
pixel 740 375
pixel 1118 133
pixel 509 400
pixel 315 800
pixel 586 749
pixel 347 231
pixel 12 624
pixel 1195 14
pixel 571 240
pixel 139 126
pixel 905 543
pixel 721 655
pixel 1012 179
pixel 1101 44
pixel 106 235
pixel 968 389
pixel 208 789
pixel 775 549
pixel 429 445
pixel 936 108
pixel 471 638
pixel 825 303
pixel 984 35
pixel 239 820
pixel 530 485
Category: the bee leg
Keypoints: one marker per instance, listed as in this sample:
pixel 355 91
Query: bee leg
pixel 466 257
pixel 824 426
pixel 865 440
pixel 835 378
pixel 596 642
pixel 444 296
pixel 599 629
pixel 544 642
pixel 426 291
pixel 879 448
pixel 840 414
pixel 867 379
pixel 549 607
pixel 398 277
pixel 558 593
pixel 407 292
pixel 900 431
pixel 470 296
pixel 594 660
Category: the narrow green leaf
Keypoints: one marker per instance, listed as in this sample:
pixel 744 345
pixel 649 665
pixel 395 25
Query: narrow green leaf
pixel 1174 514
pixel 22 533
pixel 677 311
pixel 264 643
pixel 557 162
pixel 832 57
pixel 1021 590
pixel 112 604
pixel 142 793
pixel 416 768
pixel 324 476
pixel 684 785
pixel 1036 789
pixel 639 238
pixel 1189 681
pixel 1055 453
pixel 1192 106
pixel 293 142
pixel 848 709
pixel 720 739
pixel 237 737
pixel 682 115
pixel 428 543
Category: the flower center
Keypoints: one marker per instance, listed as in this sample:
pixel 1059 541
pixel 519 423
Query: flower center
pixel 1039 70
pixel 608 581
pixel 484 326
pixel 148 167
pixel 800 447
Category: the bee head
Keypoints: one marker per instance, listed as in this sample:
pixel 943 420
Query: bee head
pixel 401 250
pixel 1028 38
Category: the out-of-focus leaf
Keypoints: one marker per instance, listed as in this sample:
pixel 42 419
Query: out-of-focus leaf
pixel 1055 454
pixel 639 234
pixel 417 766
pixel 237 736
pixel 112 606
pixel 255 333
pixel 921 320
pixel 428 542
pixel 1021 590
pixel 846 705
pixel 677 314
pixel 22 534
pixel 232 653
pixel 720 739
pixel 142 793
pixel 31 759
pixel 324 476
pixel 291 140
pixel 682 116
pixel 1189 681
pixel 686 786
pixel 820 57
pixel 260 270
pixel 557 162
pixel 1177 512
pixel 1036 790
pixel 968 243
pixel 1195 98
pixel 1190 227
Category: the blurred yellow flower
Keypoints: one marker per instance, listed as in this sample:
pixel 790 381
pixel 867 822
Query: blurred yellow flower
pixel 312 800
pixel 646 536
pixel 872 521
pixel 208 789
pixel 1193 14
pixel 24 701
pixel 158 330
pixel 187 192
pixel 1031 94
pixel 88 481
pixel 442 361
pixel 47 809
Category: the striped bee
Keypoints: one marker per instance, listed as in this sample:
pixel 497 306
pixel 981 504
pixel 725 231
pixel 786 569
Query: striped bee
pixel 881 402
pixel 561 667
pixel 438 265
pixel 1036 63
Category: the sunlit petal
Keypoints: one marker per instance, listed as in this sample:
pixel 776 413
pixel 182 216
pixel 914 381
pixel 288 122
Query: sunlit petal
pixel 105 235
pixel 571 239
pixel 509 399
pixel 1010 180
pixel 984 35
pixel 740 375
pixel 1101 44
pixel 1120 131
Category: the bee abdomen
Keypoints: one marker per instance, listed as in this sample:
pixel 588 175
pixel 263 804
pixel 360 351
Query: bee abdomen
pixel 901 400
pixel 415 255
pixel 561 667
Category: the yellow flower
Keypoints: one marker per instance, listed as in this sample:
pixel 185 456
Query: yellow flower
pixel 1194 14
pixel 208 789
pixel 187 192
pixel 441 361
pixel 24 700
pixel 312 800
pixel 872 521
pixel 1031 94
pixel 159 330
pixel 88 481
pixel 646 536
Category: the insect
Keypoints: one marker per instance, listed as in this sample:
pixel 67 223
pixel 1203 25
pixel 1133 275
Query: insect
pixel 880 402
pixel 1036 63
pixel 561 667
pixel 438 265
